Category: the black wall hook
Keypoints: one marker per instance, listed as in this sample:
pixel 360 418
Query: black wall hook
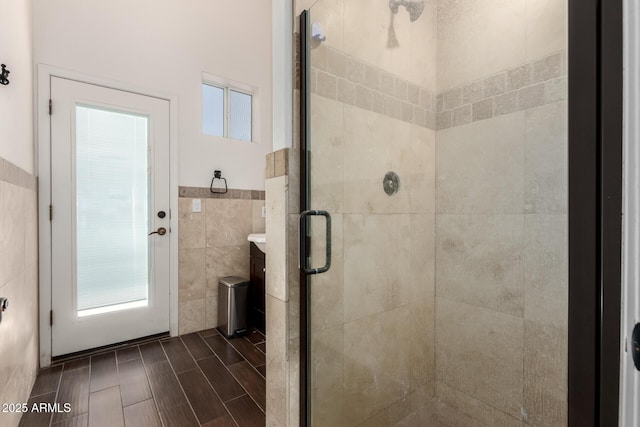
pixel 218 175
pixel 3 75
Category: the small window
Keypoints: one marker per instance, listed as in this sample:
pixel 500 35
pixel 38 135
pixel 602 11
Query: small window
pixel 227 112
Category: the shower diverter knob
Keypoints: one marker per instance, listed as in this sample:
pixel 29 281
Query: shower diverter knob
pixel 4 304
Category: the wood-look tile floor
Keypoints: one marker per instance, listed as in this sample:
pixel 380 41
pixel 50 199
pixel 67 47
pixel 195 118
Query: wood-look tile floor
pixel 199 379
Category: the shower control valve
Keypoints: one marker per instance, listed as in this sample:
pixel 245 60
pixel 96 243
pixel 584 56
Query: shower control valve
pixel 4 304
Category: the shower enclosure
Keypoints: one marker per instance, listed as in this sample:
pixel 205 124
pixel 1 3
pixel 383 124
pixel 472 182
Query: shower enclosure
pixel 436 140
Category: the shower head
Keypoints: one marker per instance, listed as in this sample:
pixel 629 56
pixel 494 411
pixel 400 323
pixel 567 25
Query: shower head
pixel 415 8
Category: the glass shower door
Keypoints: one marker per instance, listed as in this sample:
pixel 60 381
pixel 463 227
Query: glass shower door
pixel 437 141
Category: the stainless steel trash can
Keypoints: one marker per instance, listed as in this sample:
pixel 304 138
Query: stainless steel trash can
pixel 233 306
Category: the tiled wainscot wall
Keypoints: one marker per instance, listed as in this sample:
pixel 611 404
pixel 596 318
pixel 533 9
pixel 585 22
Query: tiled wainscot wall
pixel 18 283
pixel 213 244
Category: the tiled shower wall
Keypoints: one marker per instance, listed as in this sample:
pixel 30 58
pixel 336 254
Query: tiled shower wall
pixel 18 283
pixel 213 244
pixel 501 211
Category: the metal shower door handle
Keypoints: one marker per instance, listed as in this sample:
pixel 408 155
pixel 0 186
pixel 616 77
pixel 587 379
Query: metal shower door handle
pixel 303 244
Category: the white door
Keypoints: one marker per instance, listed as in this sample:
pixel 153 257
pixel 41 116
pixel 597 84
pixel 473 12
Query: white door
pixel 109 190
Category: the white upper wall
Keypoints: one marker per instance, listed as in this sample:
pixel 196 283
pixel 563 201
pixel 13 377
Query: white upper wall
pixel 16 99
pixel 166 46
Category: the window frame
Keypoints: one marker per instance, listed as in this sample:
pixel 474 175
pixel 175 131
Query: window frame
pixel 227 86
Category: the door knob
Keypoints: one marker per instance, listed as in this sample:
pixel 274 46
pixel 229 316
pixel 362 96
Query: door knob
pixel 161 231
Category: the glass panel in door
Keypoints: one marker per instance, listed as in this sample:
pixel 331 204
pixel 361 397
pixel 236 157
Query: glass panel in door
pixel 438 143
pixel 112 210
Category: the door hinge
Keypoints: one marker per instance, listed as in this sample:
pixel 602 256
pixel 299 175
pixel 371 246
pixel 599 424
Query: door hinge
pixel 50 107
pixel 50 212
pixel 50 317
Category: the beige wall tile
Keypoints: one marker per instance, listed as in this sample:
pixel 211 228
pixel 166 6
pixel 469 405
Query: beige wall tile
pixel 327 377
pixel 31 231
pixel 494 85
pixel 480 413
pixel 416 41
pixel 547 68
pixel 327 85
pixel 336 63
pixel 384 280
pixel 225 261
pixel 472 92
pixel 422 346
pixel 545 374
pixel 228 222
pixel 373 146
pixel 294 181
pixel 423 239
pixel 424 47
pixel 276 226
pixel 12 237
pixel 480 353
pixel 18 283
pixel 531 96
pixel 257 221
pixel 346 92
pixel 421 183
pixel 377 364
pixel 191 224
pixel 392 415
pixel 282 162
pixel 546 159
pixel 294 381
pixel 482 110
pixel 192 279
pixel 191 316
pixel 546 269
pixel 436 413
pixel 270 168
pixel 211 312
pixel 327 289
pixel 506 103
pixel 327 152
pixel 277 318
pixel 519 77
pixel 443 120
pixel 472 42
pixel 547 27
pixel 277 354
pixel 318 56
pixel 293 275
pixel 330 15
pixel 556 90
pixel 480 260
pixel 479 166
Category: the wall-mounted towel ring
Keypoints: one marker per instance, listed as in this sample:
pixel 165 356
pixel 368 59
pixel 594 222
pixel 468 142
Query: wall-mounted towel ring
pixel 218 175
pixel 3 75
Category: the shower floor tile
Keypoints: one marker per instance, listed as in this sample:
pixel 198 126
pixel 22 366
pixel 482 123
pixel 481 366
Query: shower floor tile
pixel 193 380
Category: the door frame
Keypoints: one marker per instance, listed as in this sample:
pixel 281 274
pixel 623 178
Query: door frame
pixel 43 166
pixel 595 211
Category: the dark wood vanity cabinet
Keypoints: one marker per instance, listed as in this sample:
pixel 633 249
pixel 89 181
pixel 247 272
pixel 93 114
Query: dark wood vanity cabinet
pixel 257 278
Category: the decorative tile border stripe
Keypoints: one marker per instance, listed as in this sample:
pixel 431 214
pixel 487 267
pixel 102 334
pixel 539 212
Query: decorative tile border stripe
pixel 205 193
pixel 536 83
pixel 338 76
pixel 17 176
